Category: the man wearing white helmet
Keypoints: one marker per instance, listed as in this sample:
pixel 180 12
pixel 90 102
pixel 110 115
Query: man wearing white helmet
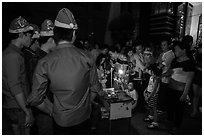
pixel 46 43
pixel 44 121
pixel 30 52
pixel 14 81
pixel 73 77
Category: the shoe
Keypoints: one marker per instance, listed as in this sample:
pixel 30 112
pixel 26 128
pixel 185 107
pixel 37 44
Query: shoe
pixel 153 125
pixel 149 118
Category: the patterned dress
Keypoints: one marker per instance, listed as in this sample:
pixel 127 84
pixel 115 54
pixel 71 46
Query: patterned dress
pixel 152 102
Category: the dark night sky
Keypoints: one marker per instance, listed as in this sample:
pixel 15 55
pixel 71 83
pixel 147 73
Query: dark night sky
pixel 85 14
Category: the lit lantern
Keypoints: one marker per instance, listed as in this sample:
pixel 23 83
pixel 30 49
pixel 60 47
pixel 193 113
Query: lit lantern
pixel 120 71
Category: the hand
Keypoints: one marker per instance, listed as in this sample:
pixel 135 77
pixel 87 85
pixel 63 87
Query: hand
pixel 29 119
pixel 49 106
pixel 183 97
pixel 146 99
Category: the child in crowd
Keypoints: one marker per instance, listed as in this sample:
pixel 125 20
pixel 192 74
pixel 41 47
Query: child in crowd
pixel 151 95
pixel 132 93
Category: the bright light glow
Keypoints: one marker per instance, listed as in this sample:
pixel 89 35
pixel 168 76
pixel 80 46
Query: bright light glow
pixel 120 71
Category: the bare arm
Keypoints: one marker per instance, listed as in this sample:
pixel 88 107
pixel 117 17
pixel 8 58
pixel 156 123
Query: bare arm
pixel 187 86
pixel 12 66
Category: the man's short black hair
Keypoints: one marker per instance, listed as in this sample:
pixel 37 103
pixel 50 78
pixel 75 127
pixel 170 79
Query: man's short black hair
pixel 63 34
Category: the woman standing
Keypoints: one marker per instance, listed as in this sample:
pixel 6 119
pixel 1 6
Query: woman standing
pixel 197 83
pixel 182 68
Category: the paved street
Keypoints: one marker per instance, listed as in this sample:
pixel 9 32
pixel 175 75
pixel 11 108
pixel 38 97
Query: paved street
pixel 139 127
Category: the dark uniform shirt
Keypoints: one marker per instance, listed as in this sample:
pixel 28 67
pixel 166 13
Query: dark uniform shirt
pixel 71 72
pixel 13 76
pixel 28 55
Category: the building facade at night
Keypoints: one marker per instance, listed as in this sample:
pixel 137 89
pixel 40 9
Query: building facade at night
pixel 151 20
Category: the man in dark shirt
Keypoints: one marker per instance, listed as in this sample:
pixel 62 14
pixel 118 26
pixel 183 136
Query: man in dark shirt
pixel 44 121
pixel 14 85
pixel 73 80
pixel 46 43
pixel 30 52
pixel 182 73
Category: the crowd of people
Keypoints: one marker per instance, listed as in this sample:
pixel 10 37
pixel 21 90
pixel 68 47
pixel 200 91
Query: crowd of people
pixel 52 81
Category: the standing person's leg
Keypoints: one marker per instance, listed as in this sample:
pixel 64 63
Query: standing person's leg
pixel 162 103
pixel 155 107
pixel 197 91
pixel 145 81
pixel 179 113
pixel 17 116
pixel 149 115
pixel 154 124
pixel 81 129
pixel 155 114
pixel 95 115
pixel 153 104
pixel 21 123
pixel 170 104
pixel 6 124
pixel 58 130
pixel 44 124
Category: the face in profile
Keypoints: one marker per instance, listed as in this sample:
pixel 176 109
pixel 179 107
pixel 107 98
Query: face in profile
pixel 178 51
pixel 27 38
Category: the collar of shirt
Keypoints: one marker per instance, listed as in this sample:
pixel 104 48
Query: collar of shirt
pixel 64 44
pixel 15 48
